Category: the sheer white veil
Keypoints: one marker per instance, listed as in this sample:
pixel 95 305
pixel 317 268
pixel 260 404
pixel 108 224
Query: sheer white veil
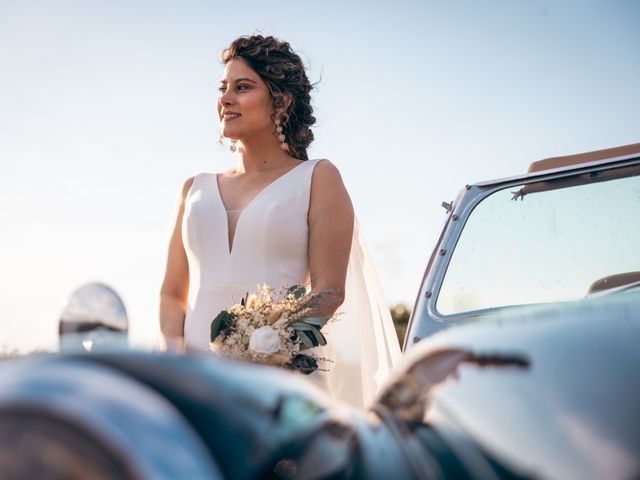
pixel 363 340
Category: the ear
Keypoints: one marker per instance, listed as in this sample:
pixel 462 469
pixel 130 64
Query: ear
pixel 281 102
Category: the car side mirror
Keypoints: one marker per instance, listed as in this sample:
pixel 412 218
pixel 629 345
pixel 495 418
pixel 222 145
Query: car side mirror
pixel 94 318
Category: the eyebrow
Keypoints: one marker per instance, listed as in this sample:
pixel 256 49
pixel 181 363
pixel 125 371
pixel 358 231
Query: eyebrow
pixel 247 79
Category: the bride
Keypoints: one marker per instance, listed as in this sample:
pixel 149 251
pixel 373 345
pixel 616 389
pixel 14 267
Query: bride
pixel 277 218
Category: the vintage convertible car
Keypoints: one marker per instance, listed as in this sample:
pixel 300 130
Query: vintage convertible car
pixel 538 277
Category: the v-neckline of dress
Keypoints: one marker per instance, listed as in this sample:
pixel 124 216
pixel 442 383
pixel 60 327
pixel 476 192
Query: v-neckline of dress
pixel 231 241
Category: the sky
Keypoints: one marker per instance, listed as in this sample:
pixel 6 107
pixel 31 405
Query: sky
pixel 106 106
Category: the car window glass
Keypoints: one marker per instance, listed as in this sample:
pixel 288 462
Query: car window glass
pixel 550 244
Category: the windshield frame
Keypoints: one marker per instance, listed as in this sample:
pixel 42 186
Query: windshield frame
pixel 425 318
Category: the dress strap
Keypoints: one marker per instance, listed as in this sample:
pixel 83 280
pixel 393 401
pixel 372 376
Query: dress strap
pixel 307 173
pixel 196 184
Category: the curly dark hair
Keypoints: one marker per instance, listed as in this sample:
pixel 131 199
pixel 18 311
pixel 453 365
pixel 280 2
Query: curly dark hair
pixel 283 72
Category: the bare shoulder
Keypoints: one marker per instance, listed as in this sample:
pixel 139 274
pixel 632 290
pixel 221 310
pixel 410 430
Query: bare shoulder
pixel 327 176
pixel 328 192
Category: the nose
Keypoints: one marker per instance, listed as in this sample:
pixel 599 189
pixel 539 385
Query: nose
pixel 224 101
pixel 226 97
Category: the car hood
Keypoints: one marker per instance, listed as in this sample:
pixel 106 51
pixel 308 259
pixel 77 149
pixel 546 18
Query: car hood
pixel 553 389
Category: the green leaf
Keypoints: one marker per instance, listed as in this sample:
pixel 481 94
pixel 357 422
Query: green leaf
pixel 317 321
pixel 304 364
pixel 301 326
pixel 309 335
pixel 305 341
pixel 297 291
pixel 316 337
pixel 218 323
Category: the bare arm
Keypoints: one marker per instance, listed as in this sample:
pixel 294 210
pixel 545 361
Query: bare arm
pixel 175 285
pixel 330 233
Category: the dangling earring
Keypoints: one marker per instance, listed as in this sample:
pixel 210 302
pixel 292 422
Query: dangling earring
pixel 233 147
pixel 281 136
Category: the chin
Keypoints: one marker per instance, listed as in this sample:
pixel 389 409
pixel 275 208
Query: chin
pixel 231 133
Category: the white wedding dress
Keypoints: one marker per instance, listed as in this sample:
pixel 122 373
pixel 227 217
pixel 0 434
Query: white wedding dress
pixel 270 246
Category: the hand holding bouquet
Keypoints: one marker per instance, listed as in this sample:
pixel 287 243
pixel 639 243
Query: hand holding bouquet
pixel 272 327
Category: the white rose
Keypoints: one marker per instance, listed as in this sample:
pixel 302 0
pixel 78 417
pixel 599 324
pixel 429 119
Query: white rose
pixel 265 340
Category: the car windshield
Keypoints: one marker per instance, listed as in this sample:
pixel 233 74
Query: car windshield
pixel 546 242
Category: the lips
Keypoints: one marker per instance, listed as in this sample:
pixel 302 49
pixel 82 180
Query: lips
pixel 226 116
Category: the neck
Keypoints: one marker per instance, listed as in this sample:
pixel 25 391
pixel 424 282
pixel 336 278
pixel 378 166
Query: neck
pixel 262 155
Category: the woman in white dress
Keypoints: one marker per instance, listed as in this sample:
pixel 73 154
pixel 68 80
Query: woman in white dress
pixel 277 218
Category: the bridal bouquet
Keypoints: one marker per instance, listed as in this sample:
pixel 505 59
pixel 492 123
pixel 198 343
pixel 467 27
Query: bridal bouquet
pixel 271 327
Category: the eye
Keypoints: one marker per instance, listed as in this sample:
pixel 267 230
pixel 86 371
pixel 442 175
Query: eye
pixel 221 88
pixel 242 87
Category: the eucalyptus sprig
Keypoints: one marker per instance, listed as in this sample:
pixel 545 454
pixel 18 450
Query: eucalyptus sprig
pixel 273 328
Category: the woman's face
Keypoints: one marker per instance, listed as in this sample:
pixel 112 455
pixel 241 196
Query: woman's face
pixel 245 106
